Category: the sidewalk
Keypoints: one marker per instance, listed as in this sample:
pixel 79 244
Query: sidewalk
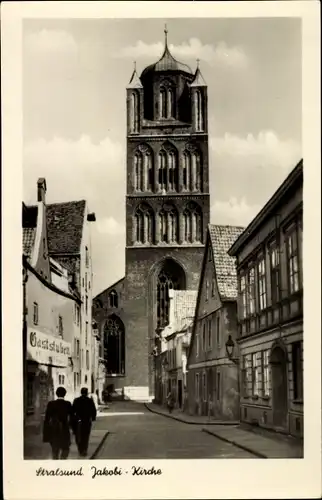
pixel 262 445
pixel 35 449
pixel 185 418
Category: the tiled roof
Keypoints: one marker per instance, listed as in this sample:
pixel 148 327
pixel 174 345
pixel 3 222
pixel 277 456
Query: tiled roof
pixel 29 224
pixel 65 226
pixel 222 238
pixel 28 240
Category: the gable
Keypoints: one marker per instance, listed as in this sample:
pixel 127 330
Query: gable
pixel 208 299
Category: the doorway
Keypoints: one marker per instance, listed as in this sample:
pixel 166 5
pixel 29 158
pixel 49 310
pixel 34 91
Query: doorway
pixel 180 393
pixel 279 387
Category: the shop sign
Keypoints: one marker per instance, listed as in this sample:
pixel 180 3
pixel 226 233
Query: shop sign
pixel 47 349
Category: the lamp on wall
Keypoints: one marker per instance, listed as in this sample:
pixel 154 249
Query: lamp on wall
pixel 230 350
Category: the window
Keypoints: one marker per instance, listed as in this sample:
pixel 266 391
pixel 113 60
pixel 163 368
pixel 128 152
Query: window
pixel 204 387
pixel 297 366
pixel 113 299
pixel 266 373
pixel 251 291
pixel 218 330
pixel 87 360
pixel 61 379
pixel 86 257
pixel 243 297
pixel 86 282
pixel 167 102
pixel 262 284
pixel 168 224
pixel 35 313
pixel 209 334
pixel 198 111
pixel 168 174
pixel 246 375
pixel 86 332
pixel 60 326
pixel 293 261
pixel 204 336
pixel 171 277
pixel 255 370
pixel 75 381
pixel 275 272
pixel 192 171
pixel 218 385
pixel 207 290
pixel 134 112
pixel 77 314
pixel 144 224
pixel 77 348
pixel 197 386
pixel 86 304
pixel 114 345
pixel 197 344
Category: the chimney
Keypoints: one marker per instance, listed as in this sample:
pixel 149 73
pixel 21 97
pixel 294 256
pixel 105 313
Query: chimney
pixel 41 191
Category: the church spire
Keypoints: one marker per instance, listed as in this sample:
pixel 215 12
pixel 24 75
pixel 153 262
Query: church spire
pixel 135 82
pixel 165 37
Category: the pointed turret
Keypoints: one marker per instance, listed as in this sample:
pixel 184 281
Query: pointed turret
pixel 198 79
pixel 135 82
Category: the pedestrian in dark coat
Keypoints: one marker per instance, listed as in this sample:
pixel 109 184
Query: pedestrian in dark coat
pixel 84 412
pixel 57 423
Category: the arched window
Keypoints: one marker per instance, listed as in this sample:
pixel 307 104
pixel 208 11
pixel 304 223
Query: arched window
pixel 143 168
pixel 192 172
pixel 134 112
pixel 138 171
pixel 170 277
pixel 114 346
pixel 162 178
pixel 171 103
pixel 168 177
pixel 163 103
pixel 192 224
pixel 144 224
pixel 168 224
pixel 113 299
pixel 198 111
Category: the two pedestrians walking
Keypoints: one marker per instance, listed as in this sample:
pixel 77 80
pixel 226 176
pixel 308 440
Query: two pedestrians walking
pixel 62 416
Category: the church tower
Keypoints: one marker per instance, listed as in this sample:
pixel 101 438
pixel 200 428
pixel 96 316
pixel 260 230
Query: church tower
pixel 167 204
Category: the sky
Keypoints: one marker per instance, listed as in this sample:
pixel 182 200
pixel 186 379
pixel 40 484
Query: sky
pixel 75 74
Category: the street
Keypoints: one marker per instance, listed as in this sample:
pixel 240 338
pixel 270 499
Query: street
pixel 136 433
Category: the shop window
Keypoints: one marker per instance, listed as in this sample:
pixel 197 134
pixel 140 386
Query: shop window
pixel 30 393
pixel 297 366
pixel 35 313
pixel 60 326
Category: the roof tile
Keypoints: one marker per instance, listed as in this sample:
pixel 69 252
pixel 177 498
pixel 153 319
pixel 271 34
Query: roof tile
pixel 65 226
pixel 222 238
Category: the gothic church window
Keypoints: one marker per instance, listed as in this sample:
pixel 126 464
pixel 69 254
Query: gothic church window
pixel 134 112
pixel 192 223
pixel 113 299
pixel 168 175
pixel 192 175
pixel 114 346
pixel 167 102
pixel 143 169
pixel 171 277
pixel 168 224
pixel 144 224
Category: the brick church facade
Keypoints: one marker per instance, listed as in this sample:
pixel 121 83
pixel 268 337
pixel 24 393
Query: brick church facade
pixel 167 214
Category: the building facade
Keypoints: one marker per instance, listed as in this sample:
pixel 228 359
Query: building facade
pixel 270 311
pixel 171 362
pixel 69 243
pixel 213 384
pixel 49 321
pixel 167 208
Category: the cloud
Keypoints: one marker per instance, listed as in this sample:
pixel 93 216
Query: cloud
pixel 193 49
pixel 264 150
pixel 46 41
pixel 234 211
pixel 110 226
